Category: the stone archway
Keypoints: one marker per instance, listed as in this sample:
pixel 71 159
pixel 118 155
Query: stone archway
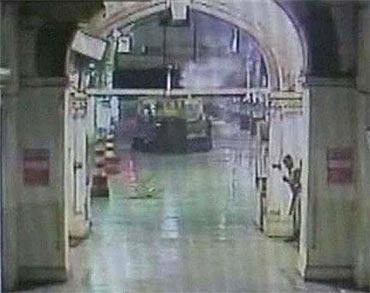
pixel 285 62
pixel 321 258
pixel 283 59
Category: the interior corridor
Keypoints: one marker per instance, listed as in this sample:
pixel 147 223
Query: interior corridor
pixel 183 223
pixel 84 207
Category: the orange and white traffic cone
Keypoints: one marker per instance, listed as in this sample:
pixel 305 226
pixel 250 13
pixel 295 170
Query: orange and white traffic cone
pixel 110 138
pixel 111 160
pixel 100 180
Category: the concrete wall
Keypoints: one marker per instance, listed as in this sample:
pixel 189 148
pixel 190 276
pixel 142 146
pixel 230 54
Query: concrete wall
pixel 35 242
pixel 288 136
pixel 90 123
pixel 266 20
pixel 77 185
pixel 362 208
pixel 42 229
pixel 335 233
pixel 328 249
pixel 334 241
pixel 10 181
pixel 103 116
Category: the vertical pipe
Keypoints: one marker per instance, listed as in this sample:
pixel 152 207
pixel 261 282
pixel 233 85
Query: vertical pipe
pixel 110 62
pixel 164 45
pixel 195 35
pixel 164 56
pixel 258 72
pixel 235 40
pixel 169 80
pixel 248 77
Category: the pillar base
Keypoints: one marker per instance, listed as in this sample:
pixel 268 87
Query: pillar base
pixel 327 273
pixel 30 276
pixel 278 226
pixel 80 229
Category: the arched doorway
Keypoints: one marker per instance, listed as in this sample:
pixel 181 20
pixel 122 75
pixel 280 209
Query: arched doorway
pixel 284 64
pixel 327 254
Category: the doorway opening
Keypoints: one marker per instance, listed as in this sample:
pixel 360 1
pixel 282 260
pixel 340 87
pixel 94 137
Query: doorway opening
pixel 187 116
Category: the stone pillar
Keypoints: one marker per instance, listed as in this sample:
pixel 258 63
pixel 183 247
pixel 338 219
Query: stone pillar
pixel 103 116
pixel 362 209
pixel 114 105
pixel 41 210
pixel 77 183
pixel 91 131
pixel 362 204
pixel 287 137
pixel 9 146
pixel 327 239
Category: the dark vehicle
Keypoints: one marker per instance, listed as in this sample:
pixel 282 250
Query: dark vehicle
pixel 172 125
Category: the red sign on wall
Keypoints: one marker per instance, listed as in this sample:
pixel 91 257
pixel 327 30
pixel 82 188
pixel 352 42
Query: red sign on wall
pixel 36 167
pixel 340 165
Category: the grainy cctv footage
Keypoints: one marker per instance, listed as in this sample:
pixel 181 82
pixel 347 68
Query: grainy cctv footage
pixel 185 146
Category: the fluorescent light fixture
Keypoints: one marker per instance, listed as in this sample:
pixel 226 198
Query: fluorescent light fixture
pixel 89 46
pixel 124 44
pixel 235 39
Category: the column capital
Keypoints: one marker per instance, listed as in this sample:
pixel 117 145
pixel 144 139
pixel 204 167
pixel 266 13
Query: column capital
pixel 316 81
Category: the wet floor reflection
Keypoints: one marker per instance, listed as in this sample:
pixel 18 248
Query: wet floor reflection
pixel 197 235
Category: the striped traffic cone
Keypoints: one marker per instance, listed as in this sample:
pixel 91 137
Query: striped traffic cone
pixel 111 160
pixel 110 138
pixel 100 180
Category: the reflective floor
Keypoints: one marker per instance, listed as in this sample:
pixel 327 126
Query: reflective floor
pixel 184 223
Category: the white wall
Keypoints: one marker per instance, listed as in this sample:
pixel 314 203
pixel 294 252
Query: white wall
pixel 42 226
pixel 335 239
pixel 35 218
pixel 103 115
pixel 266 20
pixel 328 249
pixel 362 208
pixel 288 132
pixel 277 222
pixel 9 147
pixel 91 119
pixel 76 184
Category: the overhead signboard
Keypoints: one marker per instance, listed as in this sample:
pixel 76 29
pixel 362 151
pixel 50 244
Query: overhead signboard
pixel 89 46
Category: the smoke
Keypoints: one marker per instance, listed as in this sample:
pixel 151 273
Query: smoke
pixel 214 73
